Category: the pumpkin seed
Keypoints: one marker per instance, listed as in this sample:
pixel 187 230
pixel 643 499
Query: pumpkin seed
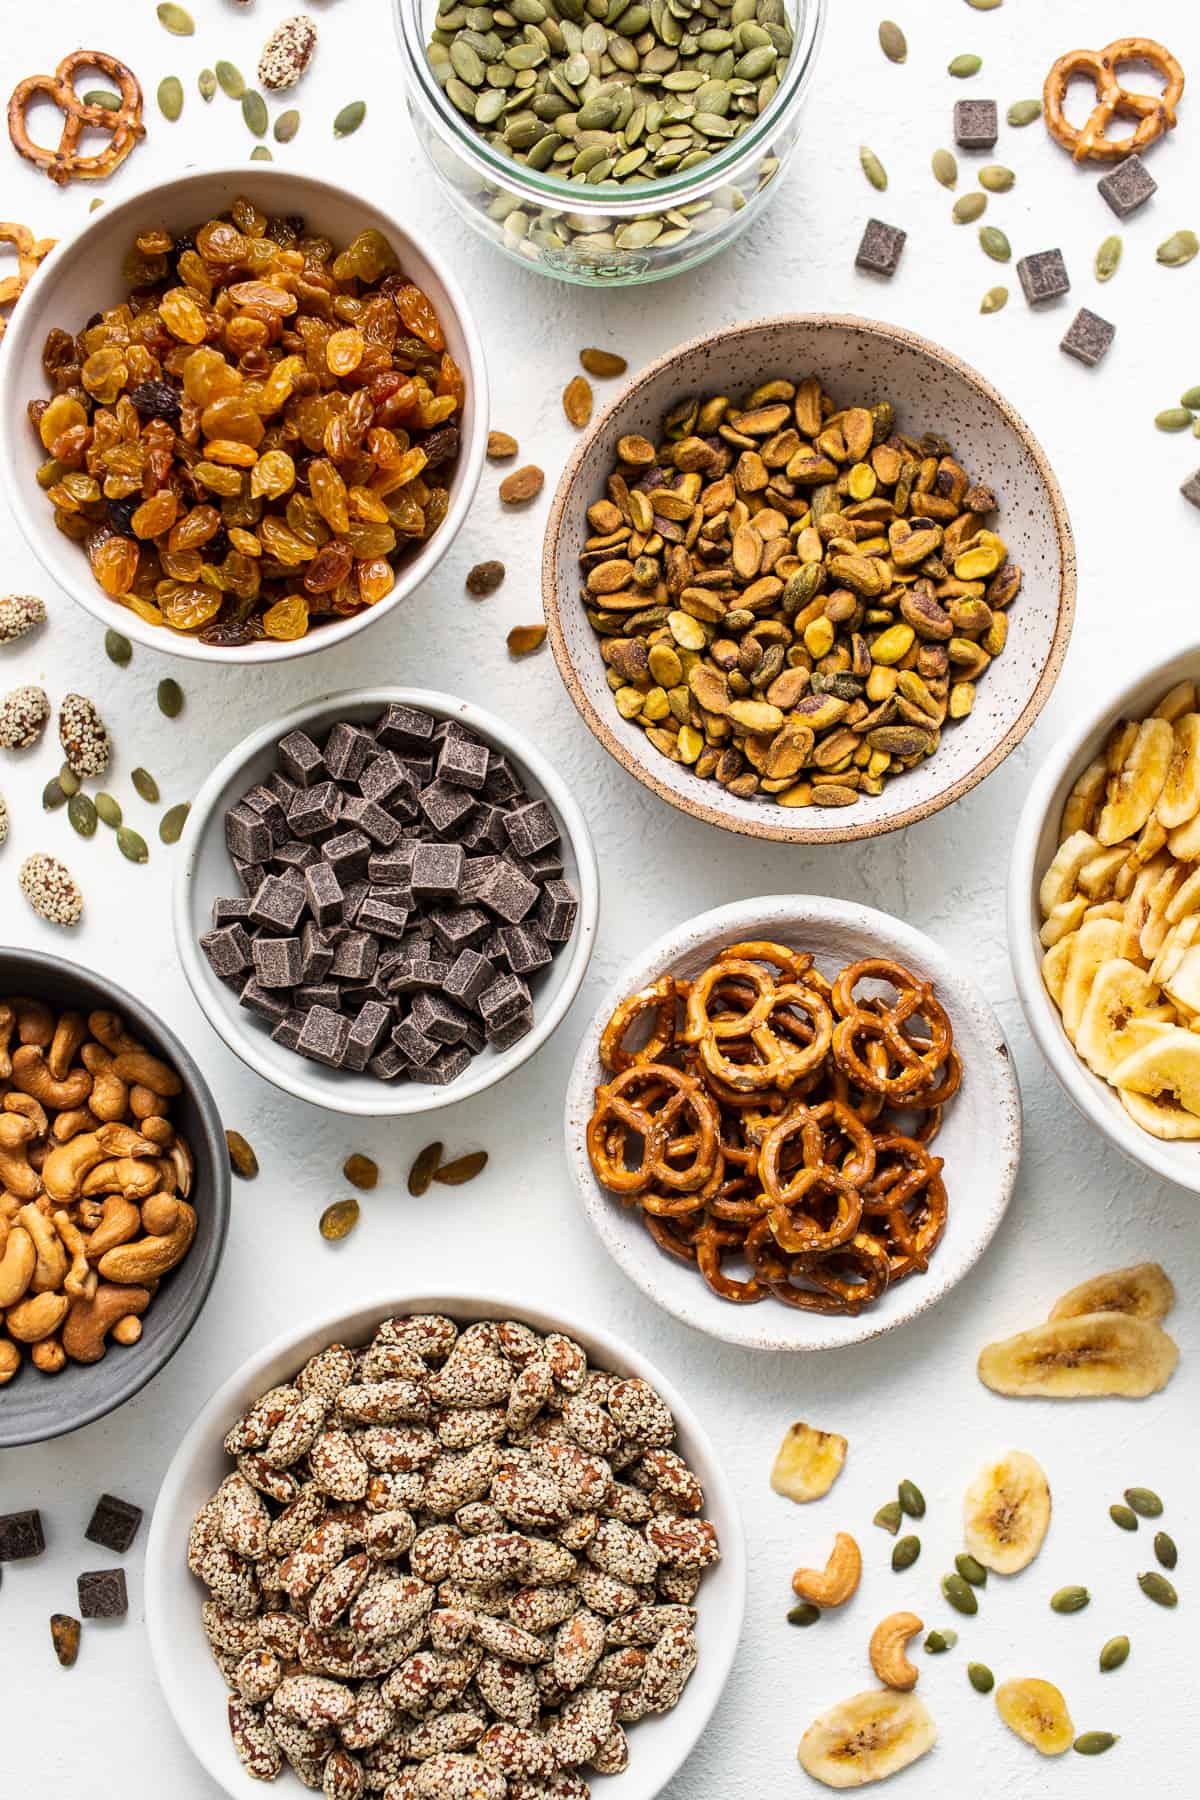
pixel 132 845
pixel 1108 257
pixel 206 81
pixel 985 5
pixel 577 401
pixel 170 826
pixel 1094 1743
pixel 338 1220
pixel 1191 399
pixel 350 118
pixel 118 649
pixel 1164 1549
pixel 109 810
pixel 103 97
pixel 1114 1653
pixel 170 97
pixel 1024 112
pixel 1156 1587
pixel 230 80
pixel 242 1159
pixel 959 1594
pixel 938 1641
pixel 892 41
pixel 82 814
pixel 905 1552
pixel 945 167
pixel 993 243
pixel 523 640
pixel 286 126
pixel 1144 1501
pixel 176 19
pixel 603 363
pixel 53 796
pixel 967 208
pixel 68 780
pixel 145 785
pixel 170 697
pixel 996 178
pixel 806 1614
pixel 1178 249
pixel 424 1169
pixel 462 1169
pixel 961 67
pixel 872 168
pixel 912 1500
pixel 889 1516
pixel 1124 1516
pixel 260 153
pixel 254 111
pixel 994 300
pixel 1069 1600
pixel 980 1678
pixel 1173 418
pixel 971 1569
pixel 361 1172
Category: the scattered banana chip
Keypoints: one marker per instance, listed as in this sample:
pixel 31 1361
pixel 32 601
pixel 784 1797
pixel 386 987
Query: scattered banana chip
pixel 808 1463
pixel 1006 1513
pixel 867 1738
pixel 1144 1292
pixel 1081 1357
pixel 1038 1714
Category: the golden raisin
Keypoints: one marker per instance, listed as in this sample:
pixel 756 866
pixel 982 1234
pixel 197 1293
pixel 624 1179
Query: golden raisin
pixel 156 515
pixel 273 475
pixel 114 564
pixel 287 619
pixel 419 317
pixel 182 316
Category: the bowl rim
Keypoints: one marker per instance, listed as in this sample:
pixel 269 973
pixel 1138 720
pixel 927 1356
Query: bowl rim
pixel 158 1352
pixel 39 535
pixel 731 922
pixel 775 824
pixel 482 1074
pixel 168 1531
pixel 1089 1093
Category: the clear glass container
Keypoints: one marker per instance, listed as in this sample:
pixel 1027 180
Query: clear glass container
pixel 606 234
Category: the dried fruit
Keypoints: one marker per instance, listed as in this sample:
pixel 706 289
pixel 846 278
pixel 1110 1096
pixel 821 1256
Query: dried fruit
pixel 577 401
pixel 82 815
pixel 23 715
pixel 350 118
pixel 424 1167
pixel 461 1169
pixel 807 1463
pixel 1036 1711
pixel 64 1635
pixel 339 1219
pixel 361 1171
pixel 892 41
pixel 1114 1653
pixel 132 845
pixel 522 485
pixel 170 698
pixel 242 1159
pixel 523 639
pixel 500 446
pixel 601 363
pixel 176 19
pixel 170 826
pixel 145 786
pixel 1007 1513
pixel 1096 1353
pixel 50 889
pixel 867 1738
pixel 1108 257
pixel 287 53
pixel 20 613
pixel 1144 1291
pixel 83 736
pixel 1156 1587
pixel 485 578
pixel 170 97
pixel 118 649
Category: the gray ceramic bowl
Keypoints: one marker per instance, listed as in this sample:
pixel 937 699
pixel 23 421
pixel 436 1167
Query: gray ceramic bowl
pixel 34 1406
pixel 857 360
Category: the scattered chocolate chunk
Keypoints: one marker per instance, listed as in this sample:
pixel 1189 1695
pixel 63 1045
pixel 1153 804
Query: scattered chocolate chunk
pixel 1043 276
pixel 1088 338
pixel 64 1635
pixel 102 1594
pixel 114 1523
pixel 880 249
pixel 1190 489
pixel 21 1535
pixel 1127 187
pixel 976 124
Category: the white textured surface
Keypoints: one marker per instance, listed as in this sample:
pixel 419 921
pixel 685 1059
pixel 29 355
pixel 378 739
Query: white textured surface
pixel 911 1404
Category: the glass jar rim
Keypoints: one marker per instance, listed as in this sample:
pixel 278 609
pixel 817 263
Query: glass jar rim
pixel 539 188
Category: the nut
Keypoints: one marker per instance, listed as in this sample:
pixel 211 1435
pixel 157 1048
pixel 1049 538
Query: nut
pixel 886 1650
pixel 834 1584
pixel 89 1321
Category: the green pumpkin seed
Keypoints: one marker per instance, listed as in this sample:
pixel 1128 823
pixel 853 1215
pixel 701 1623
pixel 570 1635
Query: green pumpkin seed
pixel 176 19
pixel 1124 1516
pixel 132 845
pixel 959 1594
pixel 945 167
pixel 967 208
pixel 1144 1501
pixel 1164 1549
pixel 350 118
pixel 206 81
pixel 68 780
pixel 912 1500
pixel 1156 1587
pixel 962 67
pixel 170 826
pixel 996 178
pixel 1173 418
pixel 53 796
pixel 170 697
pixel 1114 1653
pixel 872 168
pixel 971 1569
pixel 170 97
pixel 254 111
pixel 230 80
pixel 993 243
pixel 286 126
pixel 985 5
pixel 804 1615
pixel 938 1641
pixel 994 300
pixel 260 153
pixel 82 815
pixel 1023 112
pixel 888 1517
pixel 1191 399
pixel 980 1678
pixel 118 649
pixel 1178 249
pixel 103 97
pixel 1094 1743
pixel 146 786
pixel 905 1552
pixel 1108 256
pixel 892 41
pixel 1069 1600
pixel 109 810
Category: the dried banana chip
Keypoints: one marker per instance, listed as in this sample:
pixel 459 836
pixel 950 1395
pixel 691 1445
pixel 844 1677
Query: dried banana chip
pixel 1078 1358
pixel 1006 1513
pixel 1084 801
pixel 1137 783
pixel 1144 1291
pixel 1122 1001
pixel 1038 1714
pixel 1166 1069
pixel 808 1463
pixel 1180 797
pixel 1093 945
pixel 867 1738
pixel 1062 876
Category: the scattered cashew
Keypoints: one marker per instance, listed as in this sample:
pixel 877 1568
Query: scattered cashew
pixel 31 1075
pixel 10 1361
pixel 70 1035
pixel 133 1176
pixel 51 1267
pixel 16 1265
pixel 16 1172
pixel 35 1021
pixel 35 1318
pixel 48 1356
pixel 151 1257
pixel 81 1278
pixel 119 1222
pixel 148 1071
pixel 89 1321
pixel 886 1650
pixel 30 1109
pixel 834 1584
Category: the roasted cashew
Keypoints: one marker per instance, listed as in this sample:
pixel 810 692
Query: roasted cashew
pixel 143 1102
pixel 886 1650
pixel 81 1278
pixel 16 1172
pixel 160 1214
pixel 51 1268
pixel 35 1021
pixel 30 1109
pixel 151 1257
pixel 127 1330
pixel 48 1356
pixel 89 1321
pixel 70 1035
pixel 69 1124
pixel 119 1222
pixel 88 1214
pixel 16 1265
pixel 10 1361
pixel 8 1024
pixel 10 1206
pixel 110 1095
pixel 35 1318
pixel 834 1584
pixel 66 1166
pixel 109 1028
pixel 31 1075
pixel 123 1140
pixel 160 1131
pixel 134 1176
pixel 181 1159
pixel 138 1066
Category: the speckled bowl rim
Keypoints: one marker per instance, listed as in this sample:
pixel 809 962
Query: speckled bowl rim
pixel 751 1327
pixel 772 826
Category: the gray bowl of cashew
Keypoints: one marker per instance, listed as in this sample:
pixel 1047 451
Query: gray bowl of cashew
pixel 35 1406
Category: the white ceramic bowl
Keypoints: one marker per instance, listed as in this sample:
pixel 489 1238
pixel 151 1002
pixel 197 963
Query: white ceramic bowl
pixel 980 1138
pixel 932 390
pixel 190 1680
pixel 205 871
pixel 1034 845
pixel 83 275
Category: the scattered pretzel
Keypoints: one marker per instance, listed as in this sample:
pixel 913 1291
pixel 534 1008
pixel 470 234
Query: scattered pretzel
pixel 1153 113
pixel 67 163
pixel 30 251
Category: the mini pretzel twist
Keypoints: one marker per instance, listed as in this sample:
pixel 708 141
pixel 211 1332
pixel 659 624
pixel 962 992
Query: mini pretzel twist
pixel 917 1061
pixel 124 126
pixel 30 251
pixel 1153 113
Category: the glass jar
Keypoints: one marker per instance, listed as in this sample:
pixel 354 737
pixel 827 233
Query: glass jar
pixel 605 234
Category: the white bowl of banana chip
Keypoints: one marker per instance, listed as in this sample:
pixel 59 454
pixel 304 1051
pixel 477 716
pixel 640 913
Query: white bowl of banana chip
pixel 1104 917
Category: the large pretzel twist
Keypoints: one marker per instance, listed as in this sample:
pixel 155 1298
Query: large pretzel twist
pixel 1153 113
pixel 124 127
pixel 30 251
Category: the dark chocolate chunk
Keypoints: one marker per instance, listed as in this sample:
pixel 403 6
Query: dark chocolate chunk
pixel 547 865
pixel 315 810
pixel 365 1033
pixel 292 854
pixel 557 911
pixel 531 827
pixel 347 853
pixel 384 777
pixel 355 957
pixel 1089 337
pixel 323 1036
pixel 483 829
pixel 277 961
pixel 444 806
pixel 437 871
pixel 102 1594
pixel 418 1048
pixel 354 896
pixel 474 1038
pixel 324 892
pixel 316 953
pixel 976 124
pixel 445 1067
pixel 1127 187
pixel 410 973
pixel 526 946
pixel 391 868
pixel 404 728
pixel 267 804
pixel 114 1523
pixel 247 834
pixel 389 1065
pixel 503 783
pixel 1043 276
pixel 319 993
pixel 457 928
pixel 346 751
pixel 300 759
pixel 470 975
pixel 438 1018
pixel 258 999
pixel 228 951
pixel 21 1535
pixel 381 913
pixel 380 826
pixel 231 911
pixel 287 1030
pixel 503 1000
pixel 502 1037
pixel 284 789
pixel 278 903
pixel 1190 489
pixel 463 762
pixel 250 874
pixel 880 248
pixel 505 891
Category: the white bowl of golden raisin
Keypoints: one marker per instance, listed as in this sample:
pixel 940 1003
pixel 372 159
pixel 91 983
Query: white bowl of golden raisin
pixel 243 413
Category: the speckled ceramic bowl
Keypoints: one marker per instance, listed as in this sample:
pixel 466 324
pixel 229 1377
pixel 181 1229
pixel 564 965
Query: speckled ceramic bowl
pixel 979 1141
pixel 931 390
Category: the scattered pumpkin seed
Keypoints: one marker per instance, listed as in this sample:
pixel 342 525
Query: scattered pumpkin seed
pixel 109 811
pixel 805 1614
pixel 242 1159
pixel 1108 256
pixel 132 845
pixel 996 178
pixel 1114 1653
pixel 254 111
pixel 170 97
pixel 206 81
pixel 603 363
pixel 1178 249
pixel 889 1516
pixel 170 697
pixel 170 826
pixel 287 125
pixel 145 785
pixel 1024 112
pixel 523 640
pixel 872 168
pixel 945 167
pixel 577 401
pixel 938 1641
pixel 1191 399
pixel 1156 1587
pixel 260 153
pixel 985 5
pixel 64 1635
pixel 980 1678
pixel 82 814
pixel 892 41
pixel 118 649
pixel 350 118
pixel 424 1169
pixel 1069 1600
pixel 967 208
pixel 959 1594
pixel 338 1220
pixel 68 780
pixel 361 1172
pixel 103 97
pixel 912 1500
pixel 905 1552
pixel 176 19
pixel 993 243
pixel 1173 418
pixel 971 1569
pixel 52 795
pixel 230 80
pixel 1094 1743
pixel 1124 1516
pixel 462 1169
pixel 961 67
pixel 1144 1501
pixel 1164 1549
pixel 995 300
